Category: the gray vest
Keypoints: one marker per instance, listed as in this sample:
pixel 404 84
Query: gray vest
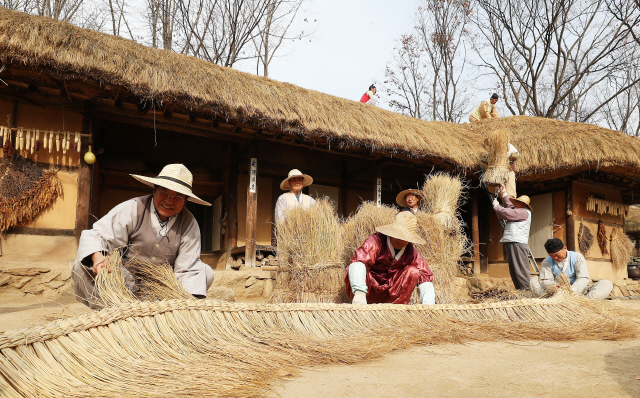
pixel 143 240
pixel 517 231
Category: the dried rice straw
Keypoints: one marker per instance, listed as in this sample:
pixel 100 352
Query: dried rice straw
pixel 498 171
pixel 621 249
pixel 442 194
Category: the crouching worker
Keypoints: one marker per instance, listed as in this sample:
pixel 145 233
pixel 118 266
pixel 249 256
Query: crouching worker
pixel 574 266
pixel 157 228
pixel 387 267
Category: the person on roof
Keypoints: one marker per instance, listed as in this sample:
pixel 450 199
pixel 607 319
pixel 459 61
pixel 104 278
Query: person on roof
pixel 574 266
pixel 517 214
pixel 409 200
pixel 370 96
pixel 387 267
pixel 294 183
pixel 486 110
pixel 156 227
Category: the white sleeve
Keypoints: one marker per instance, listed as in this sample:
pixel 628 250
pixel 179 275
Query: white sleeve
pixel 582 274
pixel 110 232
pixel 187 267
pixel 512 152
pixel 546 275
pixel 281 206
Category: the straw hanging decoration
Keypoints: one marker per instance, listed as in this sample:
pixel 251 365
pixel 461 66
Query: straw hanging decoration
pixel 25 190
pixel 498 171
pixel 602 238
pixel 585 238
pixel 621 249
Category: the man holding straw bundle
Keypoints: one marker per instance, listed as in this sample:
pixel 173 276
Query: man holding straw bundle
pixel 486 110
pixel 156 228
pixel 409 200
pixel 294 183
pixel 517 214
pixel 574 266
pixel 387 267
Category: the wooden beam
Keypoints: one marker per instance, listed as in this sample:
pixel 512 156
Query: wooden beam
pixel 275 194
pixel 252 207
pixel 83 204
pixel 231 204
pixel 344 189
pixel 571 221
pixel 475 232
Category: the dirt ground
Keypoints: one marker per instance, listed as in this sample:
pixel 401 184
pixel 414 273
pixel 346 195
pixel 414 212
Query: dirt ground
pixel 502 369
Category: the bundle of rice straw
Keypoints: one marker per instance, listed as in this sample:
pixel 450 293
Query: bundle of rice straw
pixel 621 249
pixel 357 228
pixel 204 348
pixel 602 238
pixel 442 194
pixel 498 171
pixel 310 252
pixel 494 294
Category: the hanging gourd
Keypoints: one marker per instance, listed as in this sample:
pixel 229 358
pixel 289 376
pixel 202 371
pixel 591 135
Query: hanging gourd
pixel 89 157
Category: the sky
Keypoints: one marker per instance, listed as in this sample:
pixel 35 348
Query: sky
pixel 349 49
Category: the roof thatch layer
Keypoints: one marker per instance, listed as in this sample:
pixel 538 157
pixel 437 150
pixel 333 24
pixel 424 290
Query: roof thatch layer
pixel 549 146
pixel 632 221
pixel 152 74
pixel 200 85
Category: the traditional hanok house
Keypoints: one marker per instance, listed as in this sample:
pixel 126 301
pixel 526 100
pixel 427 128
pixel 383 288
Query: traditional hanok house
pixel 578 176
pixel 141 108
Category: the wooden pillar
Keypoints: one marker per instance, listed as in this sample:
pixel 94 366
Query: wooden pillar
pixel 83 205
pixel 252 207
pixel 275 194
pixel 571 222
pixel 231 205
pixel 475 232
pixel 344 187
pixel 377 192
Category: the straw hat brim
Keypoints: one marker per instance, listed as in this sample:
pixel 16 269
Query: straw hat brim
pixel 393 231
pixel 174 186
pixel 402 202
pixel 519 201
pixel 284 185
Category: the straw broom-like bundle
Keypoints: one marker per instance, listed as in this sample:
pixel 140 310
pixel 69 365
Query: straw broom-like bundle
pixel 186 348
pixel 498 171
pixel 310 253
pixel 441 196
pixel 621 249
pixel 361 225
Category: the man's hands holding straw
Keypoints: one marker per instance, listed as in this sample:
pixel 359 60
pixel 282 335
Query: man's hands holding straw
pixel 98 262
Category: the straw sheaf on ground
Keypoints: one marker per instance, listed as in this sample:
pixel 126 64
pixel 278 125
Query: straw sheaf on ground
pixel 167 76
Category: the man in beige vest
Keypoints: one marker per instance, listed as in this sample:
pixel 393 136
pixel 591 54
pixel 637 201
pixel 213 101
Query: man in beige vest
pixel 294 183
pixel 155 227
pixel 486 110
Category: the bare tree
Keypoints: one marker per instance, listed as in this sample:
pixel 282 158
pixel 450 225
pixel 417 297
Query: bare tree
pixel 628 13
pixel 551 58
pixel 119 17
pixel 425 75
pixel 442 26
pixel 18 5
pixel 162 16
pixel 274 30
pixel 407 78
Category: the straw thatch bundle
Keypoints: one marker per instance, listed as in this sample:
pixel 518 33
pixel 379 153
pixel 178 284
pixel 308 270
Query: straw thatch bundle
pixel 357 228
pixel 621 249
pixel 310 254
pixel 442 193
pixel 497 142
pixel 25 190
pixel 185 348
pixel 632 221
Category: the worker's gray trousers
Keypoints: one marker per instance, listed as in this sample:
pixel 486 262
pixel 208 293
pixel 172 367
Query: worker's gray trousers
pixel 597 291
pixel 518 257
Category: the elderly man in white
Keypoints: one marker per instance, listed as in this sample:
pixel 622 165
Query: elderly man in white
pixel 294 183
pixel 156 227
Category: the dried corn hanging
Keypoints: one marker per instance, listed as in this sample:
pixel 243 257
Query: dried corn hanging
pixel 64 143
pixel 33 141
pixel 36 142
pixel 21 143
pixel 57 142
pixel 602 206
pixel 76 146
pixel 45 141
pixel 28 141
pixel 50 142
pixel 2 135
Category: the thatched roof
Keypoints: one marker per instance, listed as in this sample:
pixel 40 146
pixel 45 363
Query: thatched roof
pixel 65 50
pixel 632 222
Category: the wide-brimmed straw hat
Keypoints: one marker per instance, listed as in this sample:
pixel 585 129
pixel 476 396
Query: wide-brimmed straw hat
pixel 285 186
pixel 400 198
pixel 524 199
pixel 403 228
pixel 175 177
